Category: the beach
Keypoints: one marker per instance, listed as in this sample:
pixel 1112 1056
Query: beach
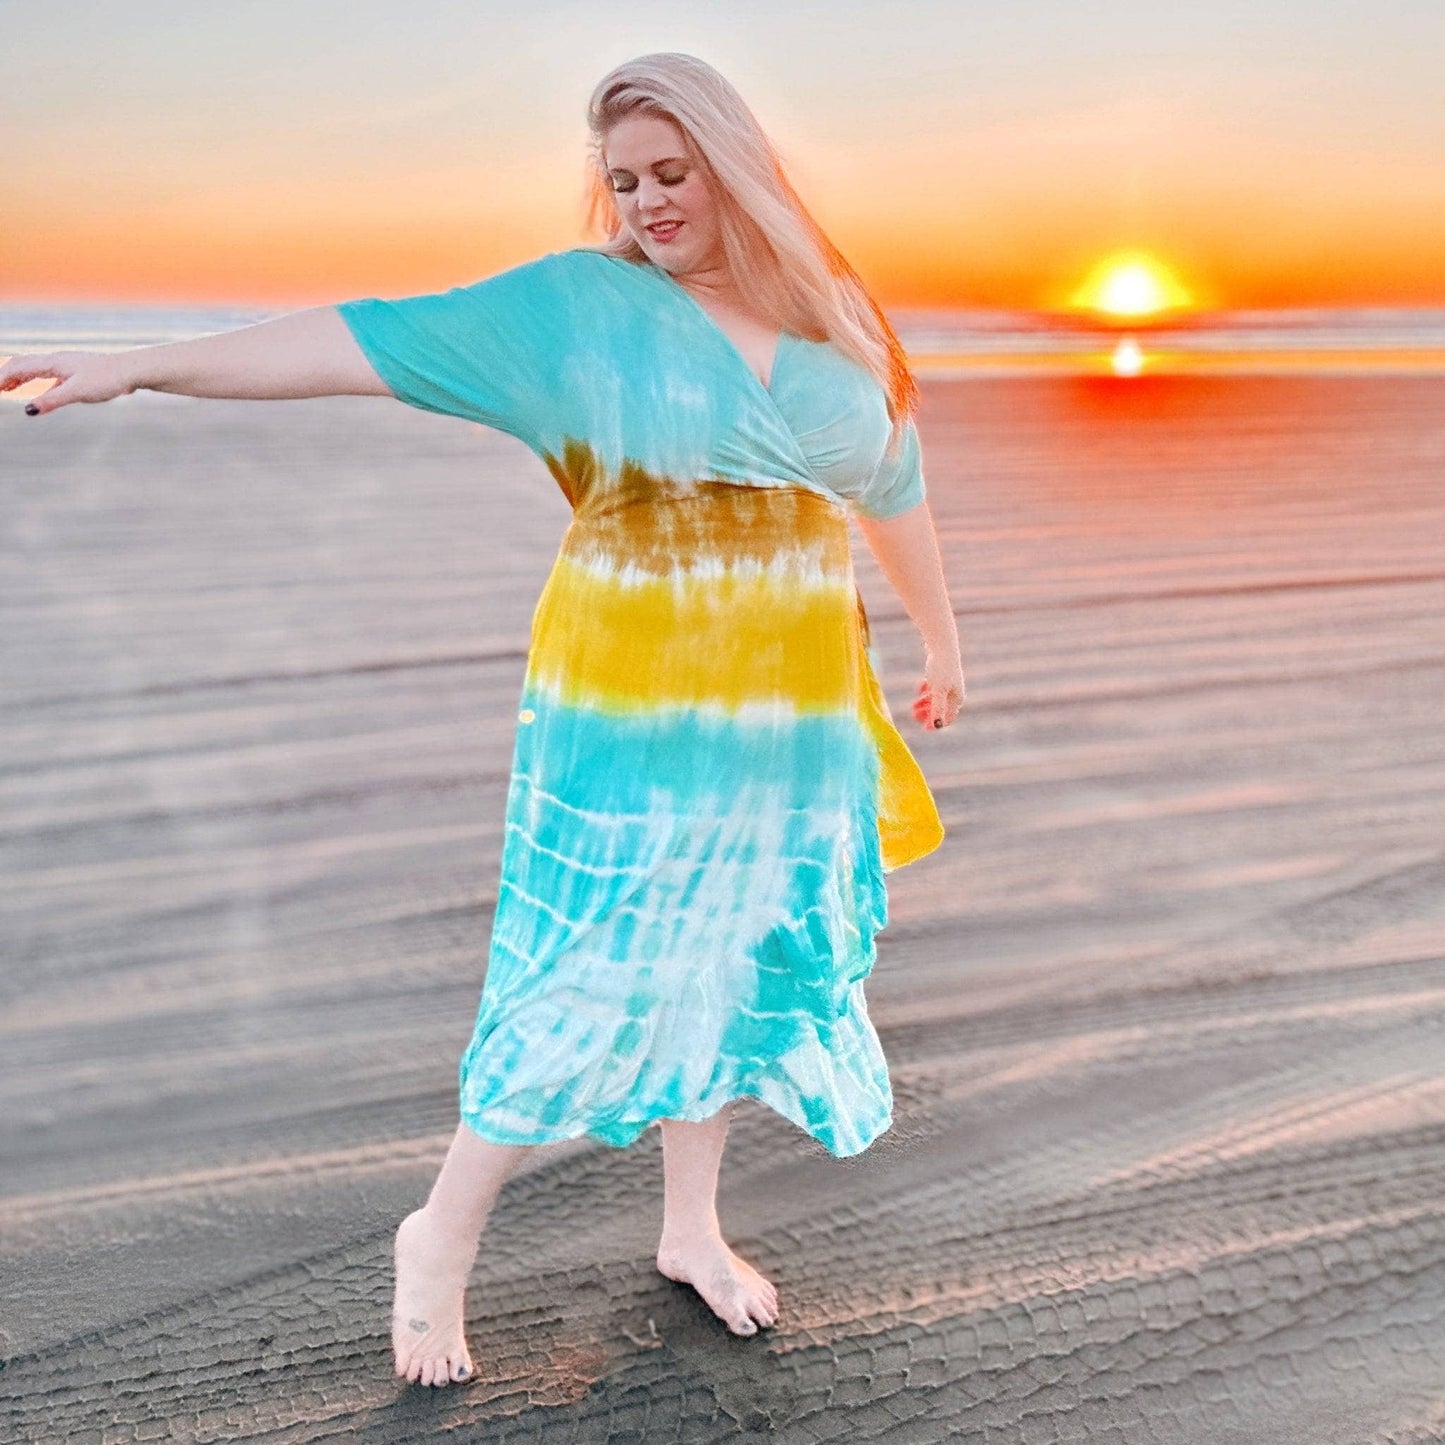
pixel 1164 1014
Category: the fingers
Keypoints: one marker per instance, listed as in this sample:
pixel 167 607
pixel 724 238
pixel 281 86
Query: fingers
pixel 20 369
pixel 46 401
pixel 932 713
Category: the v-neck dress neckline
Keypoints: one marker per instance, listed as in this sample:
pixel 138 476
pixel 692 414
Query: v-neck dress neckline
pixel 768 388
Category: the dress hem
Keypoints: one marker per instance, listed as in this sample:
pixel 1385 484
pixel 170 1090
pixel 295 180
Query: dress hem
pixel 614 1141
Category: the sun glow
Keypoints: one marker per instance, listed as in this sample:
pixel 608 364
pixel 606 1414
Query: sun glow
pixel 1127 358
pixel 1131 283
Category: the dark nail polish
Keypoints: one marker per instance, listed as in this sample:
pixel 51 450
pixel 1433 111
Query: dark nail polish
pixel 938 722
pixel 31 409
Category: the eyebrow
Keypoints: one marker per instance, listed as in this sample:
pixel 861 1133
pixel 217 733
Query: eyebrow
pixel 664 161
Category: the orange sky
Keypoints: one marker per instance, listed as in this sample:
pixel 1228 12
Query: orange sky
pixel 1269 153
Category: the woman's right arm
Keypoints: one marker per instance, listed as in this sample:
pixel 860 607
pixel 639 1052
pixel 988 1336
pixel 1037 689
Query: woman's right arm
pixel 302 354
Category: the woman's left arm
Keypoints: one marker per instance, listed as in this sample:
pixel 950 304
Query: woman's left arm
pixel 906 547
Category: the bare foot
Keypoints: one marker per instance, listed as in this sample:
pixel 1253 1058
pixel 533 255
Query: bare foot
pixel 735 1292
pixel 428 1330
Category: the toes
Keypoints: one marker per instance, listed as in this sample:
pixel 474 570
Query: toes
pixel 461 1369
pixel 766 1309
pixel 762 1283
pixel 766 1294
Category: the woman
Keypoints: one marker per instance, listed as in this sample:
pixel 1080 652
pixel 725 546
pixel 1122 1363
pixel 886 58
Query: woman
pixel 707 786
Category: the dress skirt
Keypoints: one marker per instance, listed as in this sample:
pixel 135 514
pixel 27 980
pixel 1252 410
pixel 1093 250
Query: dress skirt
pixel 707 791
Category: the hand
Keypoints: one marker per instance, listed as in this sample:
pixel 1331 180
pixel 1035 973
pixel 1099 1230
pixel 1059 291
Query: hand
pixel 80 376
pixel 941 693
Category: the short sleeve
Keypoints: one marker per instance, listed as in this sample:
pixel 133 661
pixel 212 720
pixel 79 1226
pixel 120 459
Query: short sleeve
pixel 491 351
pixel 896 485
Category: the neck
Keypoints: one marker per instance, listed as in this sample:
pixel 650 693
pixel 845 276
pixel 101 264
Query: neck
pixel 709 279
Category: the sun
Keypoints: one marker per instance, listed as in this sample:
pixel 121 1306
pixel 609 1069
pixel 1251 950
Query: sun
pixel 1131 283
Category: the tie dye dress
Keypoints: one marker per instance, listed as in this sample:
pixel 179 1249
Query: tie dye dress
pixel 707 786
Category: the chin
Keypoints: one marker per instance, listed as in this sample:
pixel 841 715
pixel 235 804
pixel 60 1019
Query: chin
pixel 668 257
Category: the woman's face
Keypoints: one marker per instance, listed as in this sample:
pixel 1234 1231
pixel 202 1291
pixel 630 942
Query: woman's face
pixel 662 194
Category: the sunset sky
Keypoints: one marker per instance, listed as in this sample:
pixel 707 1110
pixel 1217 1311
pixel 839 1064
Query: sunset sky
pixel 1268 152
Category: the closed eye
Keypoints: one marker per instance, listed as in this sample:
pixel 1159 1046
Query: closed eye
pixel 665 180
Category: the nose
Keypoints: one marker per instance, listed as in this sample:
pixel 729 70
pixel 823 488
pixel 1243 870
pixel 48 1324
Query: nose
pixel 650 196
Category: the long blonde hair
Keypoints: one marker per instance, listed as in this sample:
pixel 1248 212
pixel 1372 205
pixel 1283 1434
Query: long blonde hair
pixel 777 253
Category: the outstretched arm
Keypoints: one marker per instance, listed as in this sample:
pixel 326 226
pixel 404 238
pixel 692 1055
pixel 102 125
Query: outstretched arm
pixel 302 354
pixel 906 547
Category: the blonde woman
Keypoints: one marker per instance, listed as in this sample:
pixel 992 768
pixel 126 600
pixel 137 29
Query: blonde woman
pixel 707 787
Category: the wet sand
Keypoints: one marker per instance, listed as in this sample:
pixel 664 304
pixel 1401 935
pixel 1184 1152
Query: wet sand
pixel 1165 1014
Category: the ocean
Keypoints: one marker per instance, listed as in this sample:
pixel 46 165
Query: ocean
pixel 941 342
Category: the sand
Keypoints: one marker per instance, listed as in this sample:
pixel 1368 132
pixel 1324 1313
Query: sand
pixel 1165 1014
